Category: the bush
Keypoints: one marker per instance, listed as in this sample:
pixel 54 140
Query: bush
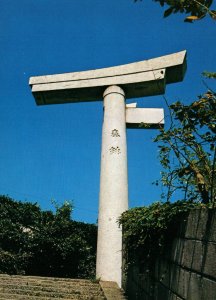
pixel 36 242
pixel 147 229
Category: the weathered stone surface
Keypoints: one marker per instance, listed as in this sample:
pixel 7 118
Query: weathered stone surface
pixel 112 291
pixel 131 284
pixel 113 186
pixel 161 292
pixel 196 224
pixel 179 281
pixel 149 117
pixel 187 268
pixel 174 297
pixel 165 294
pixel 177 250
pixel 136 85
pixel 210 260
pixel 208 289
pixel 146 283
pixel 194 290
pixel 212 234
pixel 201 288
pixel 39 288
pixel 163 272
pixel 138 79
pixel 168 61
pixel 192 255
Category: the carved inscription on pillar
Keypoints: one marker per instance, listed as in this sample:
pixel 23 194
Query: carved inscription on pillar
pixel 115 150
pixel 115 133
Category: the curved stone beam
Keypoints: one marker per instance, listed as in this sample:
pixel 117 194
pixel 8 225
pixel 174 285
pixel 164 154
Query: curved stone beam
pixel 139 79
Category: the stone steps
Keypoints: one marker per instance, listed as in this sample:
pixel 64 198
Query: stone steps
pixel 40 288
pixel 112 291
pixel 35 288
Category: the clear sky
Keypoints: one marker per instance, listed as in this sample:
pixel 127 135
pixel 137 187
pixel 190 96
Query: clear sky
pixel 53 152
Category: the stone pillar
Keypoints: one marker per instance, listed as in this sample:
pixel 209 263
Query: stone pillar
pixel 113 186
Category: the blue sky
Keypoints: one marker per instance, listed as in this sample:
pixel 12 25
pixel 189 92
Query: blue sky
pixel 53 152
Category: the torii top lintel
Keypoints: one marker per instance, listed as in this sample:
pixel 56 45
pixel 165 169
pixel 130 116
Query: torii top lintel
pixel 139 79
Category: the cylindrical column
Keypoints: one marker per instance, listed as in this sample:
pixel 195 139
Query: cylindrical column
pixel 113 186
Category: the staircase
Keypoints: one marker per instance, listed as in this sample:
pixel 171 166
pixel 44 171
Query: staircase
pixel 47 288
pixel 15 287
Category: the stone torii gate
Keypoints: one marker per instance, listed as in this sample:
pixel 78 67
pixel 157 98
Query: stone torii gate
pixel 144 78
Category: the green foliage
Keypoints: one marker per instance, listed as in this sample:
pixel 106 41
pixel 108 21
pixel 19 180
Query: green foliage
pixel 147 225
pixel 209 74
pixel 197 9
pixel 39 242
pixel 147 230
pixel 13 263
pixel 188 150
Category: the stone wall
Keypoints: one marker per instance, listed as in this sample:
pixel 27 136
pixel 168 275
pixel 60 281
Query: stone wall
pixel 187 267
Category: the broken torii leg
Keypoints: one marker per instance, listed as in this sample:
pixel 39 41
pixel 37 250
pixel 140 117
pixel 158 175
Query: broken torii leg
pixel 114 177
pixel 113 186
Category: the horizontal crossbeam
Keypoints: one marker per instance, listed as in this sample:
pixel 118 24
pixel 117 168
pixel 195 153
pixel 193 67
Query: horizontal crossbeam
pixel 152 118
pixel 144 78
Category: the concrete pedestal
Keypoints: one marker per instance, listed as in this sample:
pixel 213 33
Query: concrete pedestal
pixel 113 186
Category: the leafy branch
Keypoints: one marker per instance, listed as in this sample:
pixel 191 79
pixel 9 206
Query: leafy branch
pixel 146 230
pixel 197 9
pixel 190 141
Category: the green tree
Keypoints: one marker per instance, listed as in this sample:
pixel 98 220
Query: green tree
pixel 197 9
pixel 187 147
pixel 188 150
pixel 37 242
